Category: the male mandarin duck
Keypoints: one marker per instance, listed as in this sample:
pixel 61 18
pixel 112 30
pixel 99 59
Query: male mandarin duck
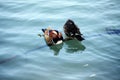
pixel 52 37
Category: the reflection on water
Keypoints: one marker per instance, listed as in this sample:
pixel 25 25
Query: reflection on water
pixel 74 46
pixel 35 49
pixel 56 48
pixel 8 59
pixel 108 31
pixel 16 56
pixel 111 31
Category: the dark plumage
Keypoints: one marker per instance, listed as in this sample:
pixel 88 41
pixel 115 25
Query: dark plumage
pixel 71 30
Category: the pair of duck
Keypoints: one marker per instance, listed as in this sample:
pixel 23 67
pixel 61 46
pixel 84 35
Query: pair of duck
pixel 54 37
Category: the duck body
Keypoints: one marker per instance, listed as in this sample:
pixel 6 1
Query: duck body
pixel 71 30
pixel 52 37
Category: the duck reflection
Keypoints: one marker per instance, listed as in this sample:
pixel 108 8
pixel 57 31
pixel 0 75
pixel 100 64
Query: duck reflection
pixel 71 46
pixel 56 48
pixel 74 46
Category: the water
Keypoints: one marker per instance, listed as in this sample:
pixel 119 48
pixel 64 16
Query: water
pixel 25 56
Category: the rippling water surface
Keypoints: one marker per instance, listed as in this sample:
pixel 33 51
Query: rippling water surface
pixel 25 56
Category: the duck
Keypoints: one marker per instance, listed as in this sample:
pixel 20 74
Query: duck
pixel 52 37
pixel 72 31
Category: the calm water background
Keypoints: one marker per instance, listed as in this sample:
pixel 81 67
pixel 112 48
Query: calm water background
pixel 25 56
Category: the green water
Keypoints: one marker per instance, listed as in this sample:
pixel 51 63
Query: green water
pixel 25 56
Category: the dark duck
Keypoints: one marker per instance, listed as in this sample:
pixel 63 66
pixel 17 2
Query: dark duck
pixel 72 31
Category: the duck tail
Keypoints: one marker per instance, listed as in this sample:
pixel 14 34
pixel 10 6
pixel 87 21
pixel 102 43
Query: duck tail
pixel 79 37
